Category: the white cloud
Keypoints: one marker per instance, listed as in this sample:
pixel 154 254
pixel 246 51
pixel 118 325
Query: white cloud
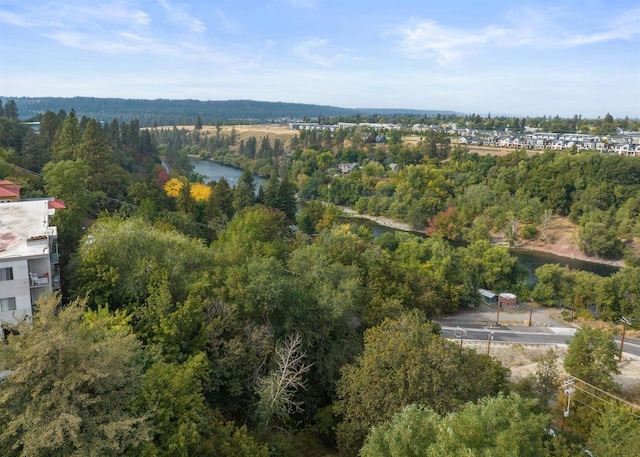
pixel 309 51
pixel 428 39
pixel 178 14
pixel 121 26
pixel 533 28
pixel 321 52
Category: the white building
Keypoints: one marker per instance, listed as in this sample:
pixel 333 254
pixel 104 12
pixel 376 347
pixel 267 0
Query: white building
pixel 28 256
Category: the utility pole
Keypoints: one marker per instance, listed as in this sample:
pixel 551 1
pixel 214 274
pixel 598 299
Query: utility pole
pixel 462 331
pixel 498 315
pixel 568 391
pixel 530 312
pixel 625 322
pixel 489 340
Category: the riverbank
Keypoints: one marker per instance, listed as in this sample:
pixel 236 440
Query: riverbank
pixel 564 242
pixel 380 220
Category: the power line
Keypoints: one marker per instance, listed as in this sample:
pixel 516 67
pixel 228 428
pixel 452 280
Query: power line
pixel 604 392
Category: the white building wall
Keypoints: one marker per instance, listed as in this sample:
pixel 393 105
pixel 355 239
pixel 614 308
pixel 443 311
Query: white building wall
pixel 17 288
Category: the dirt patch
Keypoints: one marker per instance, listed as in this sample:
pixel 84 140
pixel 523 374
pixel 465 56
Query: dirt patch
pixel 560 237
pixel 521 360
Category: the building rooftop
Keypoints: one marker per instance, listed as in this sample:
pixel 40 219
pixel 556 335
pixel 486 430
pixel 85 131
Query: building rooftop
pixel 9 189
pixel 24 228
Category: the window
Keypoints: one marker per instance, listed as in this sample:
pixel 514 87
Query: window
pixel 8 304
pixel 6 274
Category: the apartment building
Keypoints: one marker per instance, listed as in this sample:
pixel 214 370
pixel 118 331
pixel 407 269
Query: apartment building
pixel 28 256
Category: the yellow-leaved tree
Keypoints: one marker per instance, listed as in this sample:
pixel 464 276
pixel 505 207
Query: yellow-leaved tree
pixel 200 192
pixel 173 186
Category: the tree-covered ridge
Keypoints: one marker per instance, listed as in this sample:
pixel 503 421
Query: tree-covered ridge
pixel 185 112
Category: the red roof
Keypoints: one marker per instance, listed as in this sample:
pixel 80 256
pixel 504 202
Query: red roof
pixel 56 203
pixel 9 189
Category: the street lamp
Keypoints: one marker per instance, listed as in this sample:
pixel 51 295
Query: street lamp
pixel 625 322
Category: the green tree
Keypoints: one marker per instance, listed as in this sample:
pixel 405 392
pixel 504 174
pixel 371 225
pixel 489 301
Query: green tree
pixel 71 384
pixel 592 357
pixel 172 395
pixel 11 110
pixel 220 203
pixel 118 258
pixel 596 238
pixel 495 427
pixel 67 142
pixel 547 378
pixel 547 289
pixel 49 126
pixel 617 433
pixel 198 124
pixel 65 180
pixel 245 192
pixel 406 362
pixel 287 199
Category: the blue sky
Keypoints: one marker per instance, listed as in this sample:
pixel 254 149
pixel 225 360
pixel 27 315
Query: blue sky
pixel 504 57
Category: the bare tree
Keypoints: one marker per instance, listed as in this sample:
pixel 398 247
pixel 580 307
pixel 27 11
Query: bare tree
pixel 277 390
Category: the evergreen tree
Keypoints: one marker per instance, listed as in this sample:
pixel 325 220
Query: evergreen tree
pixel 68 140
pixel 265 148
pixel 250 147
pixel 95 150
pixel 287 199
pixel 272 192
pixel 50 124
pixel 220 204
pixel 198 124
pixel 245 192
pixel 34 152
pixel 11 110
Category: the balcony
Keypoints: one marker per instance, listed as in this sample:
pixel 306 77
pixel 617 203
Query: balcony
pixel 36 280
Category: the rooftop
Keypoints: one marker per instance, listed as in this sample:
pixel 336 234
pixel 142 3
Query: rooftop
pixel 24 228
pixel 9 189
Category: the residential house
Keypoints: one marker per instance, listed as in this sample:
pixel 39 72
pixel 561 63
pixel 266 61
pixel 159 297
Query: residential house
pixel 347 167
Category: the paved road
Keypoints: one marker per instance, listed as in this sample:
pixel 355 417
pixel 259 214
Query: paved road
pixel 523 335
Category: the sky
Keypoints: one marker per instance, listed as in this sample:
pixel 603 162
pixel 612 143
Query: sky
pixel 525 58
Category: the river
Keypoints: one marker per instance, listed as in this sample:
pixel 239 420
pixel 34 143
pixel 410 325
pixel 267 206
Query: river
pixel 214 171
pixel 528 259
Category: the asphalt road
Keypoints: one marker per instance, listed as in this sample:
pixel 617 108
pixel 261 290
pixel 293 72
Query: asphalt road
pixel 523 335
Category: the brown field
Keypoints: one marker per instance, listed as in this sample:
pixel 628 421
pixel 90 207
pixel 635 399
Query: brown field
pixel 273 131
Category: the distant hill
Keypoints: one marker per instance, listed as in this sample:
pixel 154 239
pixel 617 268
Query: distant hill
pixel 185 112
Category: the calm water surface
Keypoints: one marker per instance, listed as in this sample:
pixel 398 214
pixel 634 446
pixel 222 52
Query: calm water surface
pixel 214 171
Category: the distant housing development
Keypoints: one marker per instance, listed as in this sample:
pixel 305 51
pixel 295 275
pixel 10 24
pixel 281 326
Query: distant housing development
pixel 623 143
pixel 28 253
